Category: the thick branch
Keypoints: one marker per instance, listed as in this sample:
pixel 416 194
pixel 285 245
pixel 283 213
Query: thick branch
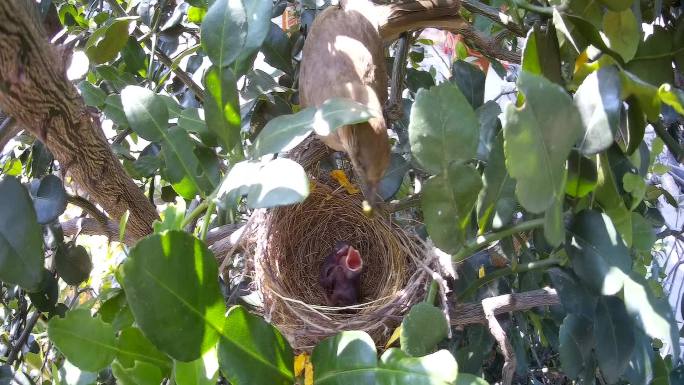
pixel 473 313
pixel 477 7
pixel 35 91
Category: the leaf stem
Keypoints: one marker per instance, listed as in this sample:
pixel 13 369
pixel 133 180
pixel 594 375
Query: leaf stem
pixel 521 268
pixel 478 243
pixel 669 141
pixel 432 292
pixel 199 210
pixel 207 217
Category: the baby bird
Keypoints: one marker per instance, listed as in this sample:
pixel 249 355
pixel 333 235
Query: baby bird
pixel 340 275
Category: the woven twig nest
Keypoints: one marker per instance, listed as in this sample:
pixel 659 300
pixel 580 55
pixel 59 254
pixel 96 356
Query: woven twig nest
pixel 291 244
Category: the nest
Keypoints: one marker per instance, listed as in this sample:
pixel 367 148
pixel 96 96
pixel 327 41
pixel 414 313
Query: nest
pixel 291 244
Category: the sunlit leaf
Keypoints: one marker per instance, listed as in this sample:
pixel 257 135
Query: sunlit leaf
pixel 87 342
pixel 422 329
pixel 598 102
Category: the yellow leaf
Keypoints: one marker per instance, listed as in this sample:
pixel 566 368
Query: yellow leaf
pixel 394 337
pixel 308 373
pixel 342 179
pixel 299 363
pixel 481 272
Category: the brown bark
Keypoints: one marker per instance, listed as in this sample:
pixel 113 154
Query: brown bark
pixel 35 91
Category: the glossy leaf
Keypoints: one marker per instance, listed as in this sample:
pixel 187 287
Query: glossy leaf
pixel 470 80
pixel 132 346
pixel 537 143
pixel 609 198
pixel 576 342
pixel 447 202
pixel 47 295
pixel 73 263
pixel 422 329
pixel 106 42
pixel 598 102
pixel 640 367
pixel 541 54
pixel 622 33
pixel 253 351
pixel 653 60
pixel 146 112
pixel 443 128
pixel 87 342
pixel 49 198
pixel 277 49
pixel 180 273
pixel 350 357
pixel 496 202
pixel 582 175
pixel 92 95
pixel 636 125
pixel 221 106
pixel 653 314
pixel 202 371
pixel 183 165
pixel 599 256
pixel 285 132
pixel 614 337
pixel 114 111
pixel 192 120
pixel 490 126
pixel 141 373
pixel 234 28
pixel 393 178
pixel 279 182
pixel 21 241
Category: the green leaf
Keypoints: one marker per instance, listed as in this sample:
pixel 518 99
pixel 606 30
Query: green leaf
pixel 132 346
pixel 443 128
pixel 598 102
pixel 252 351
pixel 233 29
pixel 490 126
pixel 582 175
pixel 191 121
pixel 146 112
pixel 180 273
pixel 221 106
pixel 622 33
pixel 617 5
pixel 673 97
pixel 277 49
pixel 73 263
pixel 142 373
pixel 114 111
pixel 576 342
pixel 636 125
pixel 202 371
pixel 422 329
pixel 653 60
pixel 614 335
pixel 640 367
pixel 87 342
pixel 69 371
pixel 350 358
pixel 46 297
pixel 393 178
pixel 469 379
pixel 287 131
pixel 653 314
pixel 496 202
pixel 470 80
pixel 92 96
pixel 608 197
pixel 599 256
pixel 636 186
pixel 554 226
pixel 106 42
pixel 21 241
pixel 586 33
pixel 541 54
pixel 447 202
pixel 49 198
pixel 643 236
pixel 537 143
pixel 279 182
pixel 183 165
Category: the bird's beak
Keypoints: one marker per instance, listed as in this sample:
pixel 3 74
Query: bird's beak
pixel 372 201
pixel 353 259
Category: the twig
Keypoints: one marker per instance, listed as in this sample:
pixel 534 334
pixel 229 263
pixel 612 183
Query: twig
pixel 161 56
pixel 93 211
pixel 394 103
pixel 672 145
pixel 406 203
pixel 245 230
pixel 492 13
pixel 489 307
pixel 14 353
pixel 480 242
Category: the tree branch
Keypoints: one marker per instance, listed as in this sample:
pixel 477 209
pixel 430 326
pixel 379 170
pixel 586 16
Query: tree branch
pixel 672 145
pixel 473 313
pixel 35 91
pixel 477 7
